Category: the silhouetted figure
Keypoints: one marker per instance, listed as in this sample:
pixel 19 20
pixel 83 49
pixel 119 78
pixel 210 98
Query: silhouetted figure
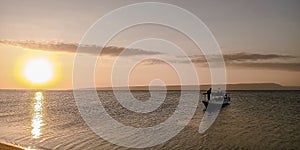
pixel 208 93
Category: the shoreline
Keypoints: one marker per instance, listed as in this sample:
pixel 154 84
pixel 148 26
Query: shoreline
pixel 9 146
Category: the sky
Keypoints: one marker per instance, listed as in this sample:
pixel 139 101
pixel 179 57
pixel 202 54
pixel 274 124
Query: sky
pixel 259 40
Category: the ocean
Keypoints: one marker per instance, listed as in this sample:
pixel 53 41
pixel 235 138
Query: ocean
pixel 51 120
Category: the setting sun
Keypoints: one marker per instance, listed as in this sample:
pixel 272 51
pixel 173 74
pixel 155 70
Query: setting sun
pixel 38 71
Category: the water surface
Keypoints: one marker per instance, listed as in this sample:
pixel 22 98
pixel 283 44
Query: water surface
pixel 51 120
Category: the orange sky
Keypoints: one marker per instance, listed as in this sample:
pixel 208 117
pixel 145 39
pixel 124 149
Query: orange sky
pixel 142 74
pixel 259 40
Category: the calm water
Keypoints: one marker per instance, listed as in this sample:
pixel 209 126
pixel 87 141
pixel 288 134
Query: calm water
pixel 51 120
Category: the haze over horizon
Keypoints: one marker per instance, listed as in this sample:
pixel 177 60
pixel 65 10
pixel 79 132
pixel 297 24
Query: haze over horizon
pixel 259 41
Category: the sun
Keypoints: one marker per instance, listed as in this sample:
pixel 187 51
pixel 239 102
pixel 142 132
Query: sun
pixel 38 71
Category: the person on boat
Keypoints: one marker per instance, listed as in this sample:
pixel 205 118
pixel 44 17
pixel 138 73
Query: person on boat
pixel 208 93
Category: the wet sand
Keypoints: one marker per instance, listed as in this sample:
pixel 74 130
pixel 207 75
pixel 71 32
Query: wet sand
pixel 6 146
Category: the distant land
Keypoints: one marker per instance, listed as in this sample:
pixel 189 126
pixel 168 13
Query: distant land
pixel 241 86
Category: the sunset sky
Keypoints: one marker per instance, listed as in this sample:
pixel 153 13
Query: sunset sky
pixel 259 40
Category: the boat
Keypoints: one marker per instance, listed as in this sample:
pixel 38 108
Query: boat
pixel 216 99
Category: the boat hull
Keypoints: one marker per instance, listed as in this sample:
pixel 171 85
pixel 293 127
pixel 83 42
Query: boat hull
pixel 215 104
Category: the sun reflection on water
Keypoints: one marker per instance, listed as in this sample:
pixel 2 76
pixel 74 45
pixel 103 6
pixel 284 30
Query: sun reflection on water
pixel 37 116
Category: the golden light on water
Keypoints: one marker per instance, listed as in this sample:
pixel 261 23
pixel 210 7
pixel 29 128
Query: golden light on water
pixel 37 116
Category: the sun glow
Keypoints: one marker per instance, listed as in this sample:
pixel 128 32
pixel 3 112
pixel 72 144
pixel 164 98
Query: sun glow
pixel 38 71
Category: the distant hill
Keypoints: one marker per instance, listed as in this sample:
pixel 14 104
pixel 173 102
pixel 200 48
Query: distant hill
pixel 241 86
pixel 260 86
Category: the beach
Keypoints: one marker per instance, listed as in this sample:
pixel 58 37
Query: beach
pixel 6 146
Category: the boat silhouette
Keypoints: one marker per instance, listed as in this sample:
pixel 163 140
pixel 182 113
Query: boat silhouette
pixel 216 99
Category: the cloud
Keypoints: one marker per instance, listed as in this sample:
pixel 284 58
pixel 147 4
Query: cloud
pixel 230 58
pixel 153 61
pixel 263 61
pixel 242 60
pixel 72 48
pixel 241 57
pixel 254 57
pixel 237 60
pixel 273 66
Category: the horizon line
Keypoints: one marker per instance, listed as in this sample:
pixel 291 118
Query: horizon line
pixel 144 86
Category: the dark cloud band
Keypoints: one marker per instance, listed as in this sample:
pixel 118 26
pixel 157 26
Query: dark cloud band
pixel 239 60
pixel 72 47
